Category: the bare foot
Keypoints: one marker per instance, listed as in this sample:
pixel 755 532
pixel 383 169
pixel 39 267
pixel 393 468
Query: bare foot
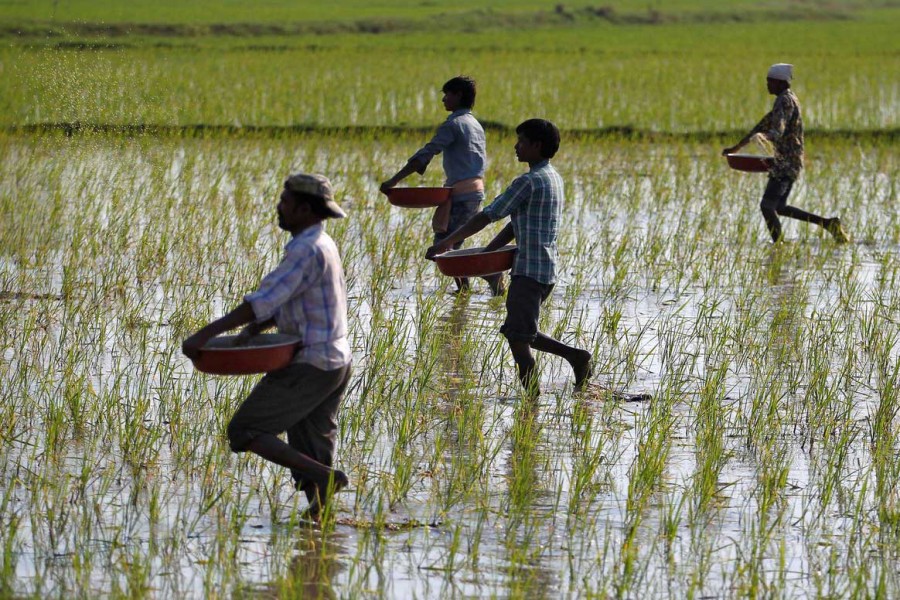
pixel 583 368
pixel 497 285
pixel 320 498
pixel 833 226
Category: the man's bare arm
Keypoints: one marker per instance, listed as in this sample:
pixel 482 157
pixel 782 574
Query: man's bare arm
pixel 411 167
pixel 241 315
pixel 504 237
pixel 470 228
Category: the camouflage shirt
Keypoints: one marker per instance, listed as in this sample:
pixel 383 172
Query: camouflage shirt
pixel 783 126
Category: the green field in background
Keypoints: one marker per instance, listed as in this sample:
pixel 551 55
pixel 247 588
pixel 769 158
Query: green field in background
pixel 236 11
pixel 587 73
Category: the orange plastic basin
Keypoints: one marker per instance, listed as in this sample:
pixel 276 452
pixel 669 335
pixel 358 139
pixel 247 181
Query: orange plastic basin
pixel 419 197
pixel 749 162
pixel 475 262
pixel 262 353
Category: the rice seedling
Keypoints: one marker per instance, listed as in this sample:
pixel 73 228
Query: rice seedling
pixel 763 463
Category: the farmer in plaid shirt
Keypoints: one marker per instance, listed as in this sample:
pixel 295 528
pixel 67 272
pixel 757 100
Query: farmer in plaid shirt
pixel 533 202
pixel 304 296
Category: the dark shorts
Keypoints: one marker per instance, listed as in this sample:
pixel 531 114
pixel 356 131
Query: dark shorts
pixel 462 208
pixel 523 308
pixel 777 192
pixel 299 399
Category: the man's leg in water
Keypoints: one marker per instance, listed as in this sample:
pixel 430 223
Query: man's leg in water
pixel 579 359
pixel 773 199
pixel 316 435
pixel 279 401
pixel 462 208
pixel 523 304
pixel 774 204
pixel 525 365
pixel 274 450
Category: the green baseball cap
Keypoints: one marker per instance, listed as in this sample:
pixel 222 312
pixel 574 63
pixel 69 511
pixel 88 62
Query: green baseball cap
pixel 318 186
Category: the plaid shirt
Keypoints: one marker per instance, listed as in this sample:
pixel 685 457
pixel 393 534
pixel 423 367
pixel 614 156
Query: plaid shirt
pixel 306 296
pixel 783 126
pixel 533 202
pixel 461 139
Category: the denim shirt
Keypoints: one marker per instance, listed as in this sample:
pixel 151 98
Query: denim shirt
pixel 461 139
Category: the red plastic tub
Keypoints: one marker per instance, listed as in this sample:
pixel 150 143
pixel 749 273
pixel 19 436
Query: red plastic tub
pixel 751 163
pixel 475 262
pixel 419 197
pixel 262 353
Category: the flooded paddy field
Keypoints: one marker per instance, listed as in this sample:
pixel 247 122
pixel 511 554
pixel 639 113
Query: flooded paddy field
pixel 764 462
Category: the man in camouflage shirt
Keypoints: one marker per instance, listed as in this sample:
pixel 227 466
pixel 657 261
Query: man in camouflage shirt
pixel 783 126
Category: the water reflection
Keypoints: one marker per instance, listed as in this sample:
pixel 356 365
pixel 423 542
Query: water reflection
pixel 499 473
pixel 313 569
pixel 785 302
pixel 452 327
pixel 531 506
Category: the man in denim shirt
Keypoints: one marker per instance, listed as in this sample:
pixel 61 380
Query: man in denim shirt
pixel 533 202
pixel 461 139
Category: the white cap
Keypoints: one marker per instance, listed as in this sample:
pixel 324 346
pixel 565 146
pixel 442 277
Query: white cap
pixel 782 71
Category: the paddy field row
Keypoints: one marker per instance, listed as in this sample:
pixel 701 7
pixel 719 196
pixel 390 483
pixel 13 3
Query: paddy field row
pixel 763 465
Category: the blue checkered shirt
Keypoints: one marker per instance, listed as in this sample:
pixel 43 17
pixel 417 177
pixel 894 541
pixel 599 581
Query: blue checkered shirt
pixel 307 297
pixel 461 139
pixel 533 202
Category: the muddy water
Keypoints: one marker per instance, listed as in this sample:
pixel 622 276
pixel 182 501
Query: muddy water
pixel 116 476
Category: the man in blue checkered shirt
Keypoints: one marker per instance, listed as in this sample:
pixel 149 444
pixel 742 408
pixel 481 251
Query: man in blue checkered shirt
pixel 533 202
